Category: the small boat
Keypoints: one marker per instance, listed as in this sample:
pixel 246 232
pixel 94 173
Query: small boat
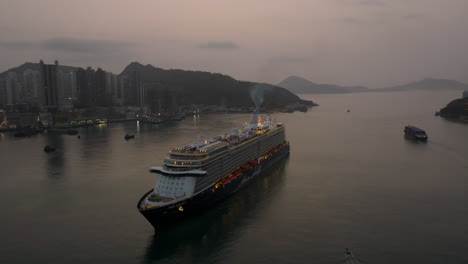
pixel 65 131
pixel 49 148
pixel 26 133
pixel 178 117
pixel 22 134
pixel 71 132
pixel 151 120
pixel 415 133
pixel 129 136
pixel 350 259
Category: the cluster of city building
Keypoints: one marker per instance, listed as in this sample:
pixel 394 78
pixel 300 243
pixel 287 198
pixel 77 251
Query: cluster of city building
pixel 53 86
pixel 63 87
pixel 56 89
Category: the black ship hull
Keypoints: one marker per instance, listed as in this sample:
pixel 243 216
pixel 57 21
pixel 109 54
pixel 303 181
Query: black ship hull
pixel 166 215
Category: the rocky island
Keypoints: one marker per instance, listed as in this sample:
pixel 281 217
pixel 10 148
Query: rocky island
pixel 456 109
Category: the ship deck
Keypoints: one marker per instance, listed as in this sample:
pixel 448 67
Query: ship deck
pixel 158 198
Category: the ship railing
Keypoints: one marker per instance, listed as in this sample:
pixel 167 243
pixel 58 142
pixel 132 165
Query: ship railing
pixel 175 173
pixel 177 157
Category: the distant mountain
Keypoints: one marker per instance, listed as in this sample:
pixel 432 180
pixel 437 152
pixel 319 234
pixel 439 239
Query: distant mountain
pixel 299 85
pixel 35 66
pixel 427 84
pixel 196 87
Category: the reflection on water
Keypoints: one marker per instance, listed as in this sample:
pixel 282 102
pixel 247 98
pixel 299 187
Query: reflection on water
pixel 205 235
pixel 55 160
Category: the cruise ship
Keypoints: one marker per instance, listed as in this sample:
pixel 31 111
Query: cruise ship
pixel 197 175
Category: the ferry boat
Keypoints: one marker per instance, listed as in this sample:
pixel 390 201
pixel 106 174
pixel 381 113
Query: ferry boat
pixel 415 133
pixel 197 175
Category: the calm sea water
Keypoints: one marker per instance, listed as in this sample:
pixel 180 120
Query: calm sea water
pixel 352 180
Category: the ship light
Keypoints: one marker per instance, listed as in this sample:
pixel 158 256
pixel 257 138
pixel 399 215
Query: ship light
pixel 181 208
pixel 217 185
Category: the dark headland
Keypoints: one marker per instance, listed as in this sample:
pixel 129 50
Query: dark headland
pixel 456 109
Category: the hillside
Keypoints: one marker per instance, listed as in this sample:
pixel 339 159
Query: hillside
pixel 299 85
pixel 196 87
pixel 35 66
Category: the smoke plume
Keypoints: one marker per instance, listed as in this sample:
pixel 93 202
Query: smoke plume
pixel 257 93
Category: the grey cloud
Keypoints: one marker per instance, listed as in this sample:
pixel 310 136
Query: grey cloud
pixel 219 45
pixel 382 18
pixel 412 16
pixel 70 45
pixel 355 21
pixel 289 59
pixel 365 2
pixel 371 3
pixel 84 45
pixel 401 15
pixel 18 44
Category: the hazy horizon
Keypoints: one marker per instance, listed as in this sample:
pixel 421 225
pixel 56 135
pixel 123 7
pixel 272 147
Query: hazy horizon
pixel 374 43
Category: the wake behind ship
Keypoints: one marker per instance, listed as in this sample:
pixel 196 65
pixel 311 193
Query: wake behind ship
pixel 197 175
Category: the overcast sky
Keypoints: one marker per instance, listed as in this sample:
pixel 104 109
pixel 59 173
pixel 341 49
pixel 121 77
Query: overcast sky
pixel 349 42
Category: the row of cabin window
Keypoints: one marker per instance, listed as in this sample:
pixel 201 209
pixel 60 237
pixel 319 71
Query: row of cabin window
pixel 167 188
pixel 171 183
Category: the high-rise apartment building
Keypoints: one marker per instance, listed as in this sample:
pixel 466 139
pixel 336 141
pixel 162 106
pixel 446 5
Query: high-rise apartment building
pixel 86 87
pixel 3 92
pixel 13 88
pixel 49 83
pixel 133 89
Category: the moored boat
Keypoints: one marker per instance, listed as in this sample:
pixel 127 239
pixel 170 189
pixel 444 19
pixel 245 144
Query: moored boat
pixel 49 148
pixel 27 132
pixel 129 136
